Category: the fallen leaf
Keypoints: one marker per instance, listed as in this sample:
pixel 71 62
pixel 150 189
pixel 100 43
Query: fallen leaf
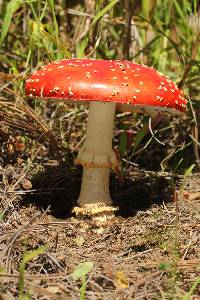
pixel 120 280
pixel 82 270
pixel 79 240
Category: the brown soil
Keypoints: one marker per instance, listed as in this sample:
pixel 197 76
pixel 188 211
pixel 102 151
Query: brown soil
pixel 150 250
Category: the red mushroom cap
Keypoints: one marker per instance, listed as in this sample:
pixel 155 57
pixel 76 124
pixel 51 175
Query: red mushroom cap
pixel 122 82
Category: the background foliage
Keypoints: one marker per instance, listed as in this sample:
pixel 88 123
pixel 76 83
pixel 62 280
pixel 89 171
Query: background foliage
pixel 162 34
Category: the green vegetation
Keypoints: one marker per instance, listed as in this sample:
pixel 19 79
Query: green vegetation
pixel 80 273
pixel 27 257
pixel 164 34
pixel 192 290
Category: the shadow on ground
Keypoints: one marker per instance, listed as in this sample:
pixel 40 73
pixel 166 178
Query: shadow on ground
pixel 58 188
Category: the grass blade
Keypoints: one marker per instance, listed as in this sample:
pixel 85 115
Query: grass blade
pixel 188 295
pixel 12 6
pixel 51 5
pixel 104 11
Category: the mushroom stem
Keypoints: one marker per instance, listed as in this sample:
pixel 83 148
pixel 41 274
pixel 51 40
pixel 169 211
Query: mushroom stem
pixel 97 149
pixel 97 157
pixel 99 195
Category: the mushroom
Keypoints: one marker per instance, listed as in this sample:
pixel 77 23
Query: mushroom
pixel 104 84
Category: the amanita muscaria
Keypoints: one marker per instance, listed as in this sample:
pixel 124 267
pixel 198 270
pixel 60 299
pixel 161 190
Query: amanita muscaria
pixel 104 84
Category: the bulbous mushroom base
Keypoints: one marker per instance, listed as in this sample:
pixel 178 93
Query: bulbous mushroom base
pixel 95 212
pixel 94 218
pixel 94 200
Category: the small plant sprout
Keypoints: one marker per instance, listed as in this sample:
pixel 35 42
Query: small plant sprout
pixel 81 272
pixel 27 257
pixel 104 85
pixel 188 296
